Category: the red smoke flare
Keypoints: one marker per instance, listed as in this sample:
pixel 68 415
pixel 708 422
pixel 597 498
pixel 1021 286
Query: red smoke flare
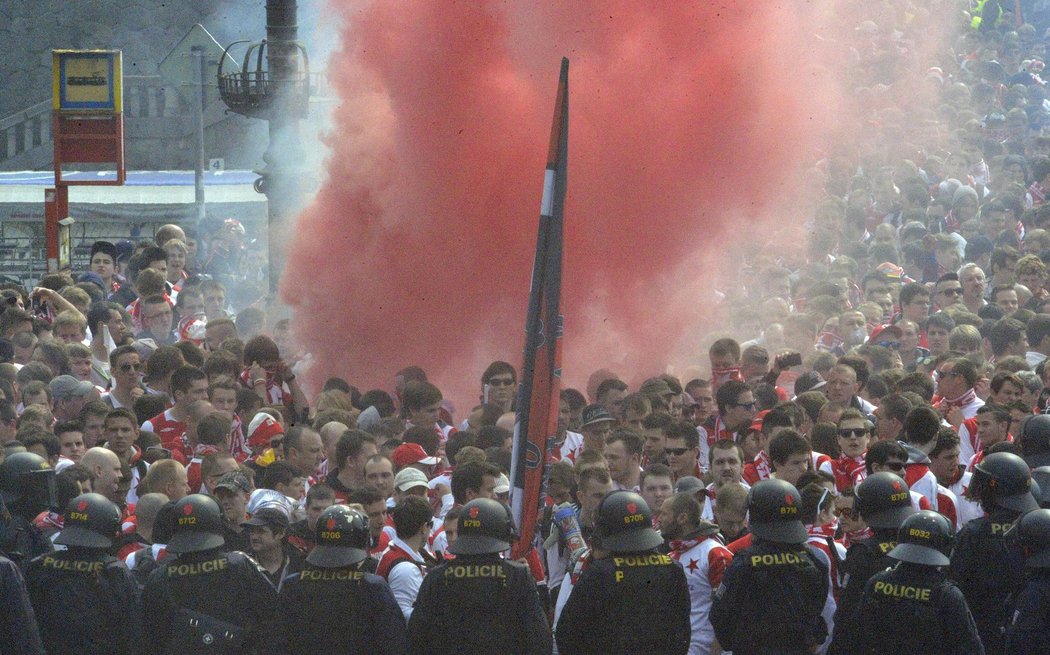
pixel 686 123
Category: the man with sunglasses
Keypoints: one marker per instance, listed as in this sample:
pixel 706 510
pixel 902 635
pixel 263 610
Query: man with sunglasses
pixel 736 408
pixel 125 370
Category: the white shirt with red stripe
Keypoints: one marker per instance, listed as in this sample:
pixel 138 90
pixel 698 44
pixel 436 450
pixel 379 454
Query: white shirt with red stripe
pixel 847 470
pixel 705 562
pixel 967 509
pixel 818 541
pixel 404 581
pixel 759 469
pixel 969 444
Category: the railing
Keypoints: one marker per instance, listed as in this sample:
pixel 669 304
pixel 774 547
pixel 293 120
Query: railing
pixel 25 130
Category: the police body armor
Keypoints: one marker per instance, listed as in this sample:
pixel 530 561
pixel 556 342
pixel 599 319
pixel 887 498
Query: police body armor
pixel 478 604
pixel 209 603
pixel 792 583
pixel 85 602
pixel 865 558
pixel 902 612
pixel 989 569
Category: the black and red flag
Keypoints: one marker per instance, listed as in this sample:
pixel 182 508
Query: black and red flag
pixel 538 393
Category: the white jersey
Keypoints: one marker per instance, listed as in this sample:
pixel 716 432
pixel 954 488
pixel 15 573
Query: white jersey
pixel 704 565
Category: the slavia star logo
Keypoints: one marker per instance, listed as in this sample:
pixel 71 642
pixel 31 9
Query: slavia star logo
pixel 473 512
pixel 896 486
pixel 632 508
pixel 788 500
pixel 187 509
pixel 331 524
pixel 82 505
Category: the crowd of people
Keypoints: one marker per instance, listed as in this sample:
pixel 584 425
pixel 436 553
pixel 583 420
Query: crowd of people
pixel 862 467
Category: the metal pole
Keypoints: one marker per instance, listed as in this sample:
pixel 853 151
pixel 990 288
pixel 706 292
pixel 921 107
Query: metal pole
pixel 198 168
pixel 284 151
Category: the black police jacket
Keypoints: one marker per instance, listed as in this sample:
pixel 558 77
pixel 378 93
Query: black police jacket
pixel 21 541
pixel 989 569
pixel 770 600
pixel 629 603
pixel 478 604
pixel 1029 630
pixel 18 630
pixel 865 558
pixel 339 610
pixel 221 592
pixel 915 609
pixel 86 602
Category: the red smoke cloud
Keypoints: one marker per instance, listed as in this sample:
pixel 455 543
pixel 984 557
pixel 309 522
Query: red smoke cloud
pixel 686 124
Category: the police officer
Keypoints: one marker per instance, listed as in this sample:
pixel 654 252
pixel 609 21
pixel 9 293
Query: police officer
pixel 18 630
pixel 85 599
pixel 357 609
pixel 627 578
pixel 207 600
pixel 988 567
pixel 1041 479
pixel 771 596
pixel 479 602
pixel 883 502
pixel 27 487
pixel 1029 629
pixel 913 607
pixel 1035 440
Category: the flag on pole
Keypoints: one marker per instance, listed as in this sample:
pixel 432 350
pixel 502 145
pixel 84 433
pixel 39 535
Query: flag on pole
pixel 540 386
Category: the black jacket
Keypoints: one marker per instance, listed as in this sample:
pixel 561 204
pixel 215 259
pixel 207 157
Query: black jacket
pixel 770 600
pixel 989 569
pixel 480 604
pixel 915 609
pixel 18 631
pixel 864 559
pixel 339 610
pixel 225 592
pixel 1029 631
pixel 86 602
pixel 629 603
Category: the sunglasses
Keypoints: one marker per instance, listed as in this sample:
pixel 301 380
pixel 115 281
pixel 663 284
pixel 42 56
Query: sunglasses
pixel 127 368
pixel 846 433
pixel 677 452
pixel 750 405
pixel 892 345
pixel 957 291
pixel 500 382
pixel 847 513
pixel 896 466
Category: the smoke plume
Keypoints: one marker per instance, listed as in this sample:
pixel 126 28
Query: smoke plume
pixel 688 125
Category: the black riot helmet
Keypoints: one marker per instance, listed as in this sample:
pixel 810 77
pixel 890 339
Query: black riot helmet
pixel 90 521
pixel 1041 478
pixel 27 484
pixel 624 524
pixel 1035 440
pixel 883 500
pixel 485 526
pixel 1003 480
pixel 925 537
pixel 1033 533
pixel 342 538
pixel 196 525
pixel 775 512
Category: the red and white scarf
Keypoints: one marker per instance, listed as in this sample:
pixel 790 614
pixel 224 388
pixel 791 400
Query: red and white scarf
pixel 961 401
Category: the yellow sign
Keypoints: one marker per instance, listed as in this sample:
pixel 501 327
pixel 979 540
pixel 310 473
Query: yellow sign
pixel 87 81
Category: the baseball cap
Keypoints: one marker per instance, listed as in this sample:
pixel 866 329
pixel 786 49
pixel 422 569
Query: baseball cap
pixel 409 477
pixel 268 516
pixel 92 277
pixel 596 414
pixel 885 333
pixel 411 453
pixel 67 386
pixel 234 481
pixel 502 485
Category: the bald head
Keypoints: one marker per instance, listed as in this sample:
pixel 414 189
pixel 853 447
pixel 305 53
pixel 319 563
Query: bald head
pixel 105 470
pixel 168 232
pixel 146 513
